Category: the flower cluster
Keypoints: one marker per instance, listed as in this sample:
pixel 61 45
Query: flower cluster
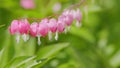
pixel 45 26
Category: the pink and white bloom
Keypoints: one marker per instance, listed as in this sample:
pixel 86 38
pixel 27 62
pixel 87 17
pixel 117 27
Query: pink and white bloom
pixel 60 28
pixel 77 15
pixel 68 20
pixel 34 29
pixel 20 27
pixel 14 27
pixel 27 4
pixel 24 27
pixel 52 27
pixel 42 30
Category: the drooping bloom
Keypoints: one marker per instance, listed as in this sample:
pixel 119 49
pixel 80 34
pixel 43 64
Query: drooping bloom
pixel 27 4
pixel 42 30
pixel 34 29
pixel 20 27
pixel 60 28
pixel 68 17
pixel 14 27
pixel 52 27
pixel 77 15
pixel 24 27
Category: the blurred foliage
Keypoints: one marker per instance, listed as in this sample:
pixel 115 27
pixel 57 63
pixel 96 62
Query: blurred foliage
pixel 95 45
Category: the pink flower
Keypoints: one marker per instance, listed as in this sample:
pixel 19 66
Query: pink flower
pixel 57 7
pixel 27 4
pixel 45 20
pixel 43 29
pixel 14 27
pixel 78 15
pixel 24 26
pixel 68 20
pixel 67 17
pixel 34 29
pixel 20 27
pixel 52 25
pixel 60 26
pixel 62 18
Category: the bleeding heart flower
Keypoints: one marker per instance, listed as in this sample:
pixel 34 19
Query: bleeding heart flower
pixel 20 27
pixel 34 29
pixel 52 25
pixel 14 27
pixel 24 26
pixel 77 15
pixel 43 29
pixel 60 26
pixel 27 4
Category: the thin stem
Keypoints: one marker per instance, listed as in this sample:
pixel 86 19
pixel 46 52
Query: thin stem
pixel 77 5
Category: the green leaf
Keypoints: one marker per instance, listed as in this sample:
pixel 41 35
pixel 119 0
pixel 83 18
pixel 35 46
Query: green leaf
pixel 5 57
pixel 83 33
pixel 35 62
pixel 49 51
pixel 16 62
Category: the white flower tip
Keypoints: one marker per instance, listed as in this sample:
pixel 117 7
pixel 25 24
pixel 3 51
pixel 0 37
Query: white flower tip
pixel 68 28
pixel 39 42
pixel 25 37
pixel 65 31
pixel 78 24
pixel 56 36
pixel 50 35
pixel 17 38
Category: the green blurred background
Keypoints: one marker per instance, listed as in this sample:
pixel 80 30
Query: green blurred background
pixel 95 45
